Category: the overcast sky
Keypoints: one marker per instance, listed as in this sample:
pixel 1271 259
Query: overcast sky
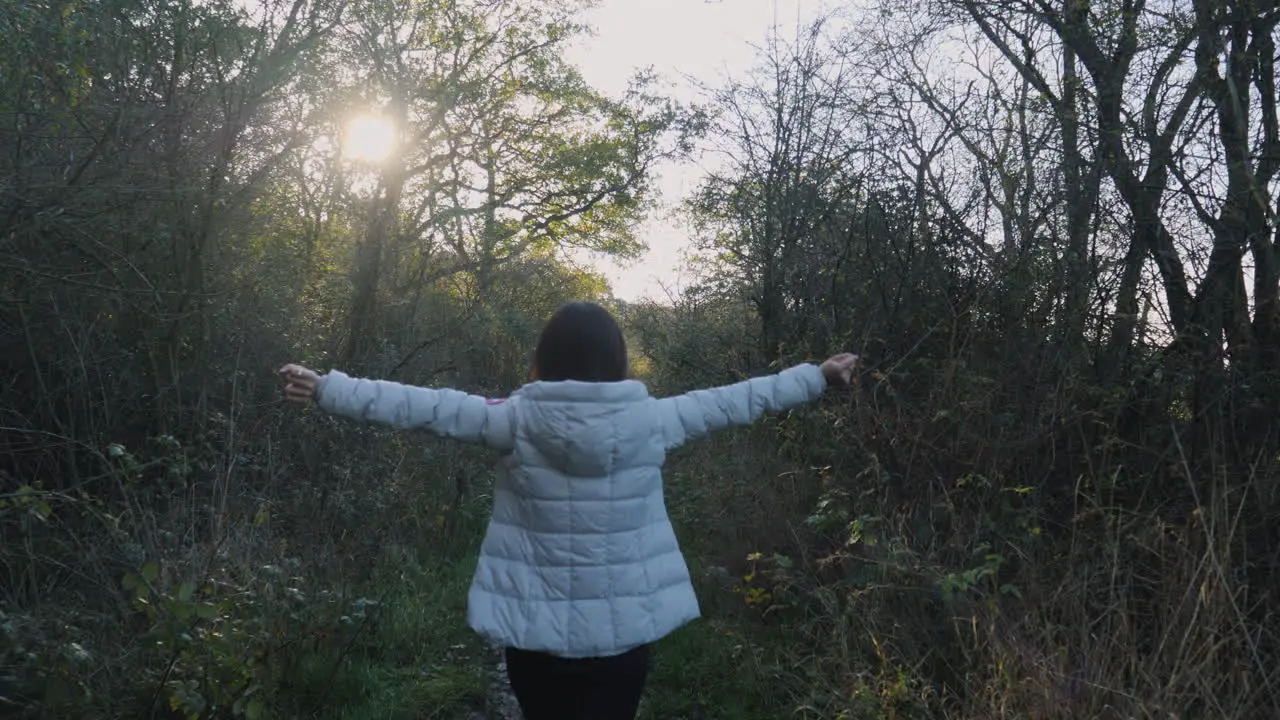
pixel 697 38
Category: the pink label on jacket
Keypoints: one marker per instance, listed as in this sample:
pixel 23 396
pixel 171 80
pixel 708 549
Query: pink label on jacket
pixel 494 401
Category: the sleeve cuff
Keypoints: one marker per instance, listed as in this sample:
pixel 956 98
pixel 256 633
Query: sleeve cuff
pixel 327 386
pixel 814 380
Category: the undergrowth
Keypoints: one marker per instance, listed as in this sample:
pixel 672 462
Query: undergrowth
pixel 326 577
pixel 978 597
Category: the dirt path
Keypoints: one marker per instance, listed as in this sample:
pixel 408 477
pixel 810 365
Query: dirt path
pixel 501 702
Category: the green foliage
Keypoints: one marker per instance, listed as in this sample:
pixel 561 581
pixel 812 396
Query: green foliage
pixel 766 582
pixel 43 664
pixel 421 654
pixel 227 646
pixel 717 669
pixel 28 503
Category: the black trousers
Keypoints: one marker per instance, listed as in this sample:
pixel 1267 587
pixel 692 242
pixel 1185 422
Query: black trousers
pixel 555 688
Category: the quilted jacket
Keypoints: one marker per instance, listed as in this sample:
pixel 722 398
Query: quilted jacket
pixel 579 559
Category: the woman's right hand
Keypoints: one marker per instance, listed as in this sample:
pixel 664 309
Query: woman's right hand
pixel 838 369
pixel 300 383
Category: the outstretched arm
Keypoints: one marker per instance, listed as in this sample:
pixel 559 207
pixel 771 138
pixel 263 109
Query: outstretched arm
pixel 695 414
pixel 445 412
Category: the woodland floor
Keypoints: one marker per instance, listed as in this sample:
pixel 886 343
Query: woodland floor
pixel 422 661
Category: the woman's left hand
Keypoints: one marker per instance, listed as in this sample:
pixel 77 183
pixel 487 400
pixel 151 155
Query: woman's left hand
pixel 300 383
pixel 838 369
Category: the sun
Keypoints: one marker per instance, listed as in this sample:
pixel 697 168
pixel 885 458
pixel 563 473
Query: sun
pixel 369 138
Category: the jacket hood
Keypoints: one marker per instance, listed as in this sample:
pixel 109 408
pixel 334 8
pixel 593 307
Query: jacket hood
pixel 584 429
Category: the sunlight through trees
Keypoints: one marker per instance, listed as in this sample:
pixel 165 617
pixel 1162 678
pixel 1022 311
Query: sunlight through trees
pixel 369 138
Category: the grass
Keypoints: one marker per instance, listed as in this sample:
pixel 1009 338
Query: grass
pixel 419 661
pixel 716 668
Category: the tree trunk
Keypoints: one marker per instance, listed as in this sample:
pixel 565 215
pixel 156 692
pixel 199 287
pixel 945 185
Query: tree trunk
pixel 364 325
pixel 1079 200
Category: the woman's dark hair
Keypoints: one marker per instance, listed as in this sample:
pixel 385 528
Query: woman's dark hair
pixel 581 342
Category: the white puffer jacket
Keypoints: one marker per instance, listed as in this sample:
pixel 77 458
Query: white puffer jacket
pixel 579 559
